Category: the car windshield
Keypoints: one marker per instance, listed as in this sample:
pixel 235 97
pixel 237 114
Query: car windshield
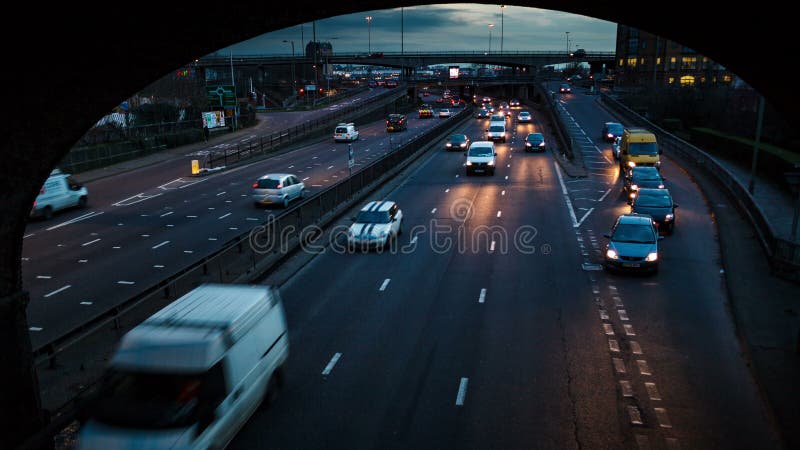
pixel 373 217
pixel 536 137
pixel 645 177
pixel 524 114
pixel 268 183
pixel 643 148
pixel 480 151
pixel 615 128
pixel 158 400
pixel 634 233
pixel 496 128
pixel 458 138
pixel 653 201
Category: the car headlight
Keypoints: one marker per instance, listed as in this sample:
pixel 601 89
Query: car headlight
pixel 658 163
pixel 448 145
pixel 669 217
pixel 463 144
pixel 661 186
pixel 541 145
pixel 527 144
pixel 490 163
pixel 631 164
pixel 632 195
pixel 634 187
pixel 611 254
pixel 652 256
pixel 469 163
pixel 609 135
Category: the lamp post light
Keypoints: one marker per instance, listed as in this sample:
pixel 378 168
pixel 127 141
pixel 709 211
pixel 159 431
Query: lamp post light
pixel 369 35
pixel 567 42
pixel 294 79
pixel 502 7
pixel 491 25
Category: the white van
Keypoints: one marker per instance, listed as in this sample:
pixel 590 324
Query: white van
pixel 193 373
pixel 345 132
pixel 481 157
pixel 496 132
pixel 59 191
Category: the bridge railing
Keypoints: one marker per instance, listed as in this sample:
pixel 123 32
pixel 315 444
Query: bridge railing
pixel 223 60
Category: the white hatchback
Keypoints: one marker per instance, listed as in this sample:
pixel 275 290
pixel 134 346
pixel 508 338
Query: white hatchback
pixel 377 225
pixel 277 189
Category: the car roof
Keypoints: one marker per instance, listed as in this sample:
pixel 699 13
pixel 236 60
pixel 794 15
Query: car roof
pixel 534 134
pixel 640 169
pixel 481 144
pixel 274 176
pixel 378 205
pixel 653 192
pixel 635 219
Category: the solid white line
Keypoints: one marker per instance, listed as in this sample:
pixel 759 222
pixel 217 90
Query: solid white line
pixel 166 214
pixel 90 242
pixel 385 283
pixel 585 216
pixel 482 297
pixel 604 195
pixel 64 288
pixel 462 392
pixel 27 236
pixel 160 245
pixel 433 211
pixel 43 277
pixel 125 282
pixel 224 216
pixel 566 196
pixel 332 363
pixel 77 219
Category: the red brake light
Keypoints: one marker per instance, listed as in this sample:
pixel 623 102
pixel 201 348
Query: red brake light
pixel 255 185
pixel 279 186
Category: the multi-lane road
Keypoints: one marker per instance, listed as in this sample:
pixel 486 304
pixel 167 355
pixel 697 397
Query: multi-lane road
pixel 487 327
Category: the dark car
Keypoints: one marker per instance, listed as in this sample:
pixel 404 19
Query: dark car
pixel 391 83
pixel 513 102
pixel 632 244
pixel 611 131
pixel 640 177
pixel 564 88
pixel 534 142
pixel 579 53
pixel 457 142
pixel 656 203
pixel 483 113
pixel 396 122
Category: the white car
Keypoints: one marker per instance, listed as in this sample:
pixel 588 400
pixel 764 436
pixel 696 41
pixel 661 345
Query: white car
pixel 444 112
pixel 377 225
pixel 277 189
pixel 59 191
pixel 524 116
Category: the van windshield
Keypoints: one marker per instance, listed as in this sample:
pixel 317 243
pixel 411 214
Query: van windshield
pixel 643 148
pixel 497 128
pixel 480 151
pixel 159 400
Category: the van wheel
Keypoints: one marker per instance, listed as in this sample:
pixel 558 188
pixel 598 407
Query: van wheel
pixel 82 202
pixel 47 213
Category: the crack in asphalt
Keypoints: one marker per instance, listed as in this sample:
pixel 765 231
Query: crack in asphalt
pixel 570 394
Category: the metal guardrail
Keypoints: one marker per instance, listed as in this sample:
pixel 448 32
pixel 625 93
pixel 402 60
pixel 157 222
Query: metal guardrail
pixel 556 112
pixel 223 60
pixel 249 255
pixel 269 142
pixel 784 255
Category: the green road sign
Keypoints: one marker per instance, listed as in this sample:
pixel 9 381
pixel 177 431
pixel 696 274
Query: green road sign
pixel 222 95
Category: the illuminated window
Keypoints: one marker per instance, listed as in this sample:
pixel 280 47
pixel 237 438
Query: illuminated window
pixel 642 61
pixel 689 62
pixel 726 78
pixel 702 79
pixel 632 62
pixel 687 80
pixel 620 61
pixel 658 61
pixel 671 80
pixel 714 79
pixel 673 62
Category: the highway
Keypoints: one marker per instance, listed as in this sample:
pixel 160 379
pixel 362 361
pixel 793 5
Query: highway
pixel 146 224
pixel 470 338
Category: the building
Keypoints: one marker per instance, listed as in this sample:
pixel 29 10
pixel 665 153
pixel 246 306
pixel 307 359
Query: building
pixel 646 59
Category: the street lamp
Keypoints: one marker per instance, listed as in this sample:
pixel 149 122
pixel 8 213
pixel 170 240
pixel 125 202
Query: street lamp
pixel 369 35
pixel 327 67
pixel 567 42
pixel 502 7
pixel 491 25
pixel 294 79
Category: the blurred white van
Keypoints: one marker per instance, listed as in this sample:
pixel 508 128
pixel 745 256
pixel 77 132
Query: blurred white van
pixel 59 191
pixel 193 373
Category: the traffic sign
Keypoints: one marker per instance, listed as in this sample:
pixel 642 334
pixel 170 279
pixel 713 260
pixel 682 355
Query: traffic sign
pixel 222 95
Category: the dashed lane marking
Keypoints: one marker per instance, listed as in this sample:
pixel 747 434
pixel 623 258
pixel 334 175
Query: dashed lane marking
pixel 327 370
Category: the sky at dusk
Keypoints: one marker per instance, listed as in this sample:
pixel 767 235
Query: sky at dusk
pixel 449 27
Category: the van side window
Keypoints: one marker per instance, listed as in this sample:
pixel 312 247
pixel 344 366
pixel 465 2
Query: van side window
pixel 73 185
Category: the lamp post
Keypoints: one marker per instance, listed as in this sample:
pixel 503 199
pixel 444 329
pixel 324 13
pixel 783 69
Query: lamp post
pixel 369 35
pixel 502 7
pixel 327 67
pixel 567 42
pixel 294 79
pixel 491 25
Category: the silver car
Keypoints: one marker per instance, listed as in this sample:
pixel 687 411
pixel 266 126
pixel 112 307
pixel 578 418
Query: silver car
pixel 277 189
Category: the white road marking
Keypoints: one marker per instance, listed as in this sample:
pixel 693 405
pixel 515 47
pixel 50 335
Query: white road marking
pixel 210 209
pixel 125 282
pixel 633 413
pixel 306 178
pixel 499 213
pixel 566 196
pixel 629 330
pixel 385 283
pixel 433 211
pixel 35 328
pixel 212 239
pixel 447 190
pixel 83 260
pixel 330 167
pixel 166 214
pixel 491 247
pixel 503 193
pixel 224 216
pixel 188 251
pixel 86 303
pixel 462 391
pixel 332 363
pixel 414 240
pixel 506 177
pixel 608 328
pixel 43 277
pixel 221 193
pixel 652 391
pixel 145 235
pixel 613 345
pixel 636 349
pixel 623 315
pixel 132 200
pixel 63 288
pixel 585 216
pixel 233 228
pixel 252 219
pixel 627 389
pixel 482 297
pixel 77 219
pixel 604 195
pixel 619 365
pixel 663 418
pixel 191 217
pixel 316 185
pixel 159 245
pixel 643 367
pixel 158 266
pixel 169 225
pixel 27 236
pixel 116 247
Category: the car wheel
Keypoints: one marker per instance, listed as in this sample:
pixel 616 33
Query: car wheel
pixel 82 202
pixel 47 213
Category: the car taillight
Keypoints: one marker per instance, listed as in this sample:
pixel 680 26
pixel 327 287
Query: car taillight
pixel 255 185
pixel 279 186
